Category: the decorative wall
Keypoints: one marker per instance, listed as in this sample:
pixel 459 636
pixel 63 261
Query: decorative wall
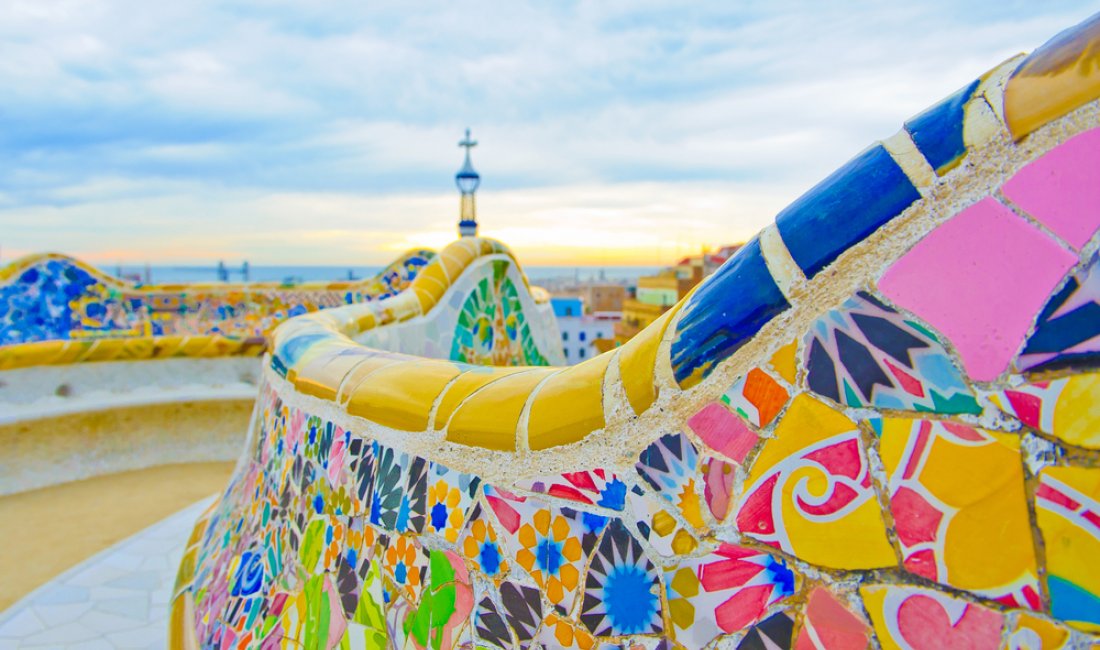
pixel 489 317
pixel 875 425
pixel 56 298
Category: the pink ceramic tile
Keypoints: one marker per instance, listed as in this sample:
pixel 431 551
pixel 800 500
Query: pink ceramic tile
pixel 1062 188
pixel 723 431
pixel 827 624
pixel 979 279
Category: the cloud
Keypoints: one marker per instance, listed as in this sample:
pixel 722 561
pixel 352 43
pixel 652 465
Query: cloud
pixel 125 122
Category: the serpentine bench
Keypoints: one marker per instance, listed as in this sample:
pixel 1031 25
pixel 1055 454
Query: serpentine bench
pixel 877 424
pixel 99 375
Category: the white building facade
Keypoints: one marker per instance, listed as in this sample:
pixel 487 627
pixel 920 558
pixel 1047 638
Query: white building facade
pixel 580 331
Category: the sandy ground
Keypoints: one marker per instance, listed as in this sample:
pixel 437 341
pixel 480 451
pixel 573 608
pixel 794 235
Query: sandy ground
pixel 49 530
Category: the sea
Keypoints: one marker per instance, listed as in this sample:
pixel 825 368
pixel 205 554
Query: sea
pixel 164 274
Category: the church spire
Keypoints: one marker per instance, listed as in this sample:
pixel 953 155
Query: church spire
pixel 467 180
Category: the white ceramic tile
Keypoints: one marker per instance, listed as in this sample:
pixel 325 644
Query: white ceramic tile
pixel 65 635
pixel 135 608
pixel 116 599
pixel 19 623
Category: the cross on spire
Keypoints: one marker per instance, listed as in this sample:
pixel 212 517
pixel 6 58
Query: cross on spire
pixel 467 142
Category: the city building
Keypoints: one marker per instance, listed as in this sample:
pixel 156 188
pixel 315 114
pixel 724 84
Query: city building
pixel 656 294
pixel 597 296
pixel 583 335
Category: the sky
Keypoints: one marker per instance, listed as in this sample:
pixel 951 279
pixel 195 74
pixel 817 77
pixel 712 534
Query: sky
pixel 325 132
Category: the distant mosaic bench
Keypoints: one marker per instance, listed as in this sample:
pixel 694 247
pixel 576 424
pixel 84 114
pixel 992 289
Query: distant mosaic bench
pixel 876 424
pixel 175 368
pixel 57 310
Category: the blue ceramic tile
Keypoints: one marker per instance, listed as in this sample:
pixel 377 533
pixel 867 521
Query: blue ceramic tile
pixel 289 351
pixel 727 310
pixel 938 131
pixel 1067 331
pixel 843 209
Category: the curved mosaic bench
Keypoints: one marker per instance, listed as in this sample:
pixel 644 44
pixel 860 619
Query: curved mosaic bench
pixel 57 310
pixel 875 425
pixel 176 372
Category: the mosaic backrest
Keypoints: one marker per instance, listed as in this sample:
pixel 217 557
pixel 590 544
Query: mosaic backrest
pixel 54 309
pixel 877 424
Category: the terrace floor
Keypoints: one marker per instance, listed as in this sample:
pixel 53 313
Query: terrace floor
pixel 91 564
pixel 119 598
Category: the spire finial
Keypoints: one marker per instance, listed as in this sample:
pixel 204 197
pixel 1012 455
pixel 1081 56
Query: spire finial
pixel 467 180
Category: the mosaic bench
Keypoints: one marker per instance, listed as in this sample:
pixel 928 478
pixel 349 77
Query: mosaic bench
pixel 876 424
pixel 57 310
pixel 175 373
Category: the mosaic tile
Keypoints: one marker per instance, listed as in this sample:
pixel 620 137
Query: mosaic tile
pixel 670 466
pixel 622 590
pixel 450 495
pixel 868 354
pixel 717 478
pixel 445 606
pixel 489 418
pixel 596 487
pixel 481 546
pixel 809 492
pixel 938 131
pixel 492 328
pixel 772 633
pixel 489 625
pixel 324 623
pixel 405 563
pixel 911 617
pixel 828 625
pixel 723 592
pixel 1061 188
pixel 401 395
pixel 290 347
pixel 723 431
pixel 821 224
pixel 1067 505
pixel 636 361
pixel 360 459
pixel 322 376
pixel 523 611
pixel 716 322
pixel 399 499
pixel 756 397
pixel 366 627
pixel 470 381
pixel 972 260
pixel 1055 79
pixel 52 297
pixel 785 362
pixel 569 406
pixel 398 612
pixel 957 496
pixel 658 527
pixel 559 632
pixel 1064 408
pixel 547 542
pixel 1035 633
pixel 1067 330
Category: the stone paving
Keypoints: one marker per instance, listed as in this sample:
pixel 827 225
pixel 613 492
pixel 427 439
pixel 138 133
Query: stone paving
pixel 116 599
